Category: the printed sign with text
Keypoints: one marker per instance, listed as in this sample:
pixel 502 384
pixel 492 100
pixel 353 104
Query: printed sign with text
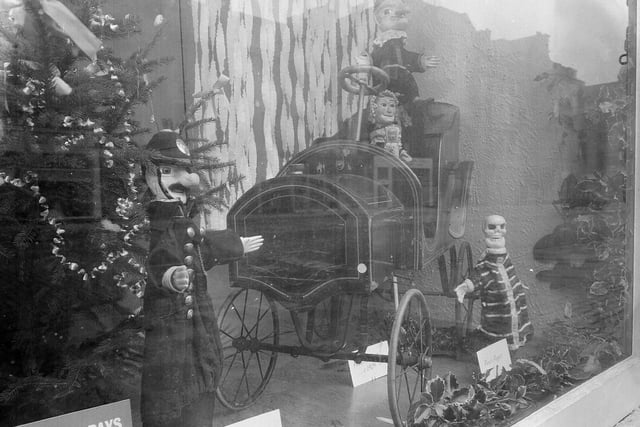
pixel 116 414
pixel 368 371
pixel 494 357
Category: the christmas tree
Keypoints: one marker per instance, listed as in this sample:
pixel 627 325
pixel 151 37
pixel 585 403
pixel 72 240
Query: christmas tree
pixel 72 208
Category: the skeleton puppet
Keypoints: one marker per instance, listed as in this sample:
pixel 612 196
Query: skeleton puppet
pixel 504 311
pixel 182 354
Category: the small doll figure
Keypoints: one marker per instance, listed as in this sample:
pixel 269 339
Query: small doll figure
pixel 386 133
pixel 504 312
pixel 389 51
pixel 182 359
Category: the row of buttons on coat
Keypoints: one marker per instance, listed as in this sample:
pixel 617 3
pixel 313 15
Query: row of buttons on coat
pixel 189 248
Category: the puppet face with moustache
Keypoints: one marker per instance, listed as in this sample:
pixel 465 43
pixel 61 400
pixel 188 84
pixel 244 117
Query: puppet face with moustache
pixel 170 175
pixel 172 182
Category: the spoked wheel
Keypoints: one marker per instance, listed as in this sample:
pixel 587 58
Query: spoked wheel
pixel 464 311
pixel 409 366
pixel 248 320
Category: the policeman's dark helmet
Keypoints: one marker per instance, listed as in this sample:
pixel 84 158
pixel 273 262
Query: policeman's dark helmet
pixel 170 145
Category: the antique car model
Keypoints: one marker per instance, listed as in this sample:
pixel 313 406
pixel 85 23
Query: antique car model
pixel 342 221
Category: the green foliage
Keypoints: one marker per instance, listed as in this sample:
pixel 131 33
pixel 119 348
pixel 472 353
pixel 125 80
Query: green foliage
pixel 486 403
pixel 78 140
pixel 572 356
pixel 594 239
pixel 483 403
pixel 73 213
pixel 65 161
pixel 595 213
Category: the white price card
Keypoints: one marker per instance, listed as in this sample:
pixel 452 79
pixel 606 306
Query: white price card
pixel 493 358
pixel 268 419
pixel 365 372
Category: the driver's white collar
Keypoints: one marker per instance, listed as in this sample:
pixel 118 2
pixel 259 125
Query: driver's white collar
pixel 389 35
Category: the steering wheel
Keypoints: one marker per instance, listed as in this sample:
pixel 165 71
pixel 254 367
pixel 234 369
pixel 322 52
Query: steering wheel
pixel 350 82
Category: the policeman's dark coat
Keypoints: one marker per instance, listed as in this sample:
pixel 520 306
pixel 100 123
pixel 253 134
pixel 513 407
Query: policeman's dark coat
pixel 183 353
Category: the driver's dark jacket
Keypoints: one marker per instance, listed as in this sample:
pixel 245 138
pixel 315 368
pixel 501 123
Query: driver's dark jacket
pixel 399 63
pixel 182 354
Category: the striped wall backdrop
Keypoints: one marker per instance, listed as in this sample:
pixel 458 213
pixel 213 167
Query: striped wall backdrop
pixel 282 59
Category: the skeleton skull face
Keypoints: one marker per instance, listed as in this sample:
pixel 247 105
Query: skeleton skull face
pixel 495 228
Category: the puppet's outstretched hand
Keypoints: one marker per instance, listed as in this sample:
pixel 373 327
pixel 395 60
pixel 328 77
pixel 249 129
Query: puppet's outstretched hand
pixel 251 244
pixel 464 288
pixel 430 61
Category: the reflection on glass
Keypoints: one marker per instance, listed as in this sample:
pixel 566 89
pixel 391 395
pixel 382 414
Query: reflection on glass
pixel 371 144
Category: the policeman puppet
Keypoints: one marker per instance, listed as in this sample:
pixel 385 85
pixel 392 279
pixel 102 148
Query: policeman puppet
pixel 183 352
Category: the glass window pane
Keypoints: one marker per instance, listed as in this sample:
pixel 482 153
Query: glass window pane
pixel 433 185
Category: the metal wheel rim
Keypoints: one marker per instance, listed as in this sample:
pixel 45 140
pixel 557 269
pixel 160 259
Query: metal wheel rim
pixel 397 375
pixel 233 358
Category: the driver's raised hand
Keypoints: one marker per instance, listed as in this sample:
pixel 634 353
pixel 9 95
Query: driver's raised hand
pixel 430 61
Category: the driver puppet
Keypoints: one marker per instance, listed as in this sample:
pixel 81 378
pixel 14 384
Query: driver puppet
pixel 504 312
pixel 183 352
pixel 389 52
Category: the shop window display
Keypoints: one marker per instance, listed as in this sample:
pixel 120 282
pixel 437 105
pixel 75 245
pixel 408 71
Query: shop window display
pixel 382 149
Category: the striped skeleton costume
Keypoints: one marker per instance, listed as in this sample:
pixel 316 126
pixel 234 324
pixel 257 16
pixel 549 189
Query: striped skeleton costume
pixel 504 311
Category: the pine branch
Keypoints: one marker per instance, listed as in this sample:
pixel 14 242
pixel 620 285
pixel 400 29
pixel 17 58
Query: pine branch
pixel 208 146
pixel 71 141
pixel 143 54
pixel 210 165
pixel 185 126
